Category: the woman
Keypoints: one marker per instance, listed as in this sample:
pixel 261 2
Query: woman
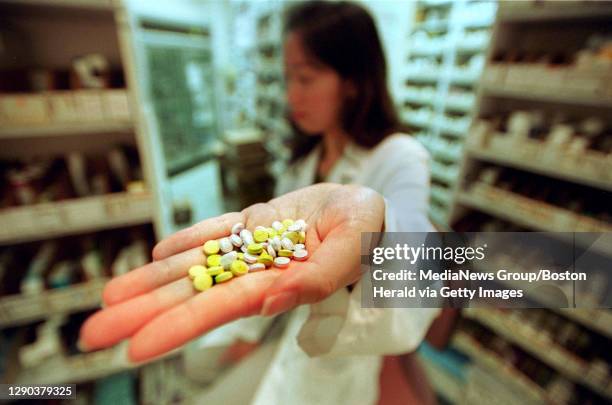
pixel 330 351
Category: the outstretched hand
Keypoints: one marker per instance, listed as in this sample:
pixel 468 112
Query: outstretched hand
pixel 157 308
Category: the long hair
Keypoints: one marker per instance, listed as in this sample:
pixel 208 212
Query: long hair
pixel 343 36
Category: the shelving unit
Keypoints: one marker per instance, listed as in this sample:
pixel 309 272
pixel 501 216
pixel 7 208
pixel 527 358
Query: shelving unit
pixel 568 90
pixel 54 123
pixel 539 346
pixel 445 52
pixel 22 309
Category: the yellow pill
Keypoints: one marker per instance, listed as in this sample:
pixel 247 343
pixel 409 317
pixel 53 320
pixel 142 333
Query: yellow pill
pixel 196 270
pixel 287 222
pixel 211 247
pixel 240 256
pixel 213 260
pixel 271 232
pixel 260 235
pixel 203 282
pixel 293 237
pixel 255 248
pixel 285 253
pixel 302 238
pixel 214 271
pixel 239 268
pixel 223 277
pixel 266 259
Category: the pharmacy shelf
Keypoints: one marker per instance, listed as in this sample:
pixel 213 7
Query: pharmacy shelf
pixel 77 4
pixel 598 320
pixel 541 11
pixel 65 129
pixel 21 309
pixel 78 368
pixel 555 94
pixel 590 168
pixel 47 220
pixel 595 319
pixel 497 366
pixel 526 212
pixel 538 345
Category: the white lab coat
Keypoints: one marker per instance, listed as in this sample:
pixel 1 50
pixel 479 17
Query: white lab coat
pixel 331 352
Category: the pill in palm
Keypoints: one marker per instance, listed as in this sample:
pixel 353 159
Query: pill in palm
pixel 202 282
pixel 214 271
pixel 282 262
pixel 239 268
pixel 213 260
pixel 196 270
pixel 236 240
pixel 245 251
pixel 300 255
pixel 225 245
pixel 256 267
pixel 223 277
pixel 237 228
pixel 211 247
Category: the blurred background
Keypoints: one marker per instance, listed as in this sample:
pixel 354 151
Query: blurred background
pixel 124 121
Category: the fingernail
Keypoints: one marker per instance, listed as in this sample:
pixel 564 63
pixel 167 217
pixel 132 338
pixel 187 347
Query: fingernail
pixel 278 303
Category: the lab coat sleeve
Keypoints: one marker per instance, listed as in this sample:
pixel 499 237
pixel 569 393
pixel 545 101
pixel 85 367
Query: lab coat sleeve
pixel 339 325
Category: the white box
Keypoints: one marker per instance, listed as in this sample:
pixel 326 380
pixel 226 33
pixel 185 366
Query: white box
pixel 89 105
pixel 63 107
pixel 116 104
pixel 25 108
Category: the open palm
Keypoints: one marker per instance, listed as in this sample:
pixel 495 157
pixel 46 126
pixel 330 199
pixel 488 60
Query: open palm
pixel 157 307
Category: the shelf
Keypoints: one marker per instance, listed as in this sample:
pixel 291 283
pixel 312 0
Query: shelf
pixel 506 373
pixel 535 343
pixel 76 4
pixel 591 168
pixel 541 11
pixel 47 220
pixel 443 173
pixel 598 320
pixel 77 368
pixel 526 212
pixel 22 309
pixel 65 129
pixel 553 94
pixel 442 195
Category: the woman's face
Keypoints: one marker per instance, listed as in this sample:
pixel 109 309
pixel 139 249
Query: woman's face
pixel 314 92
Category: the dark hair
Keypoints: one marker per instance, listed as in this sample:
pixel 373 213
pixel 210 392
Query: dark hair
pixel 342 36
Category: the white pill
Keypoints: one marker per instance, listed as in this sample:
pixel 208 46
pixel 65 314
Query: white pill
pixel 244 248
pixel 277 225
pixel 300 246
pixel 228 258
pixel 261 228
pixel 256 267
pixel 287 244
pixel 301 254
pixel 271 251
pixel 225 245
pixel 249 258
pixel 302 224
pixel 246 236
pixel 282 262
pixel 236 241
pixel 237 228
pixel 295 228
pixel 276 243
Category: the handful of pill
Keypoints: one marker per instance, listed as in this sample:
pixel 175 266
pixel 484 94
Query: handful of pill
pixel 244 251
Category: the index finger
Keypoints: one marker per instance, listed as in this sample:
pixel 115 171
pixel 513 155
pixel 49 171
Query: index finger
pixel 196 235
